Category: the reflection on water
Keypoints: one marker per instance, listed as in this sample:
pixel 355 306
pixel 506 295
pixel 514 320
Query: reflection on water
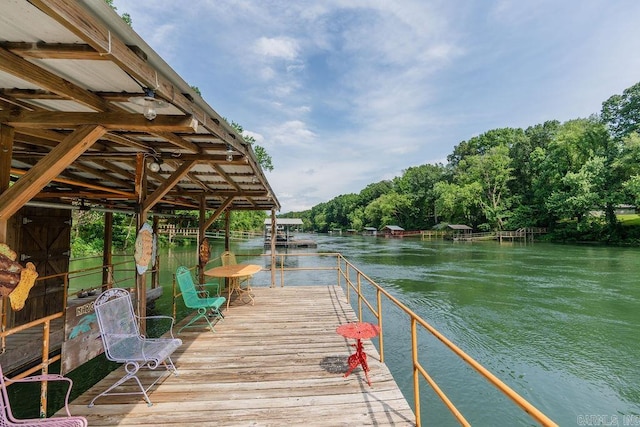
pixel 559 324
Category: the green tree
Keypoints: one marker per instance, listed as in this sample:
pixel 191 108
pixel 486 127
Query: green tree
pixel 457 203
pixel 418 184
pixel 579 191
pixel 621 113
pixel 125 16
pixel 264 159
pixel 390 208
pixel 491 173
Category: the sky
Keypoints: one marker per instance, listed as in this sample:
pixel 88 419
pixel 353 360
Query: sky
pixel 345 93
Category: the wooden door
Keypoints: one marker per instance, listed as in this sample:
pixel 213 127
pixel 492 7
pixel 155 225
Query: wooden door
pixel 45 240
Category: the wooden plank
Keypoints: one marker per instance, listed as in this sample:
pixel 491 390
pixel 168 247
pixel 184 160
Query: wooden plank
pixel 13 64
pixel 48 168
pixel 111 121
pixel 167 185
pixel 279 362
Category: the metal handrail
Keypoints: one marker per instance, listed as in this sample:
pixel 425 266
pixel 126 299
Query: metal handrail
pixel 345 269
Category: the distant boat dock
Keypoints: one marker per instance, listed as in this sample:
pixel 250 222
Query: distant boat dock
pixel 285 237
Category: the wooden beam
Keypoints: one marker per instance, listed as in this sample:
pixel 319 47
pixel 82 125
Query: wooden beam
pixel 177 140
pixel 54 50
pixel 83 184
pixel 112 121
pixel 226 177
pixel 8 102
pixel 13 64
pixel 72 15
pixel 16 93
pixel 6 152
pixel 126 141
pixel 218 212
pixel 171 182
pixel 47 169
pixel 105 177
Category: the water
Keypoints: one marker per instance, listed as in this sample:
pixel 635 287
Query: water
pixel 559 324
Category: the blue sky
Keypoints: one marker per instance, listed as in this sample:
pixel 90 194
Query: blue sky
pixel 344 93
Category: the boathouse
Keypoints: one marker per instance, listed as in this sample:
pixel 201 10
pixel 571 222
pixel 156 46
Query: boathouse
pixel 459 230
pixel 392 231
pixel 369 231
pixel 91 118
pixel 283 230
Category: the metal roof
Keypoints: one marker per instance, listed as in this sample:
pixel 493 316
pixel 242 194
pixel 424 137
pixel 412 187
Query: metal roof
pixel 393 228
pixel 284 221
pixel 71 132
pixel 459 227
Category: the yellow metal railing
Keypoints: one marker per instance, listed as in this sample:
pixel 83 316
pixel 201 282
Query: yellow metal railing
pixel 354 282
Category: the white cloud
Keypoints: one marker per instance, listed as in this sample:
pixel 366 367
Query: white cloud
pixel 343 93
pixel 280 47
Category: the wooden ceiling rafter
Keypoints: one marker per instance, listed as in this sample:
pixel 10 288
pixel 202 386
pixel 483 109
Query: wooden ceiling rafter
pixel 226 177
pixel 168 184
pixel 47 169
pixel 126 141
pixel 43 119
pixel 43 50
pixel 8 102
pixel 19 67
pixel 79 184
pixel 178 141
pixel 101 173
pixel 108 120
pixel 69 14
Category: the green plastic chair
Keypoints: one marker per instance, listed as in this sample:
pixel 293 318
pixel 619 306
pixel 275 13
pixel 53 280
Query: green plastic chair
pixel 198 299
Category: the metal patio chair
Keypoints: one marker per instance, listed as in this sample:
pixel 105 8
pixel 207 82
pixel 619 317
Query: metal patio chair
pixel 198 299
pixel 6 416
pixel 123 342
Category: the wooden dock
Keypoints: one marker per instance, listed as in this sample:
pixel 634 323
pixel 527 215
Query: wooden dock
pixel 279 362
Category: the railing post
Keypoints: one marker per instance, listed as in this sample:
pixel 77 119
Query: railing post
pixel 338 269
pixel 282 270
pixel 359 295
pixel 416 377
pixel 45 369
pixel 380 337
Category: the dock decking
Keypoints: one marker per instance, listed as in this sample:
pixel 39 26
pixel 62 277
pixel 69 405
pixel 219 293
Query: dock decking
pixel 279 362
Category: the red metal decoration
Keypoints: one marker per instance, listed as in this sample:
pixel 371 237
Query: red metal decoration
pixel 358 331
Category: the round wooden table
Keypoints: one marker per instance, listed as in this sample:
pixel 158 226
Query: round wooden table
pixel 234 272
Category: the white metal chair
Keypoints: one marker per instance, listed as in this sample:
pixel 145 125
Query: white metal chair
pixel 6 416
pixel 123 342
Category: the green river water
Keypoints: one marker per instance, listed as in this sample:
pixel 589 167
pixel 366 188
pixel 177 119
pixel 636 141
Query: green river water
pixel 559 324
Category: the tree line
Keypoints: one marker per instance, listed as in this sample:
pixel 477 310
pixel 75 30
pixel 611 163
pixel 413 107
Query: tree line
pixel 568 177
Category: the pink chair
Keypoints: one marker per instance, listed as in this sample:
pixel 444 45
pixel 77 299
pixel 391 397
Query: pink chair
pixel 7 418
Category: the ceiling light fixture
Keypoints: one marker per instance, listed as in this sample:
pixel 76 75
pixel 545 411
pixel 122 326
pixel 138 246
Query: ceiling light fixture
pixel 229 153
pixel 156 161
pixel 154 166
pixel 149 103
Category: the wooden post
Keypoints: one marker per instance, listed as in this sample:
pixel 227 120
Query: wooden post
pixel 141 216
pixel 155 274
pixel 273 248
pixel 107 257
pixel 202 224
pixel 227 228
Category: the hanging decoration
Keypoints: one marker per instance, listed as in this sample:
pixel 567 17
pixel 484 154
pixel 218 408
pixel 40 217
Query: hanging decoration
pixel 205 252
pixel 144 248
pixel 15 281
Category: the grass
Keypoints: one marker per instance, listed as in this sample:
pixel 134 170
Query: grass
pixel 629 220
